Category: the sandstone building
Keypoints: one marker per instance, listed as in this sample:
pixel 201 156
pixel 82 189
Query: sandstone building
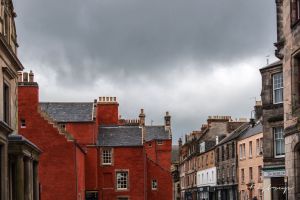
pixel 227 165
pixel 273 140
pixel 198 158
pixel 288 51
pixel 18 156
pixel 250 163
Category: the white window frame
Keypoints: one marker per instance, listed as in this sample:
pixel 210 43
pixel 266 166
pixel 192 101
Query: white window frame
pixel 250 173
pixel 258 147
pixel 241 152
pixel 277 86
pixel 154 184
pixel 243 176
pixel 250 149
pixel 282 140
pixel 122 182
pixel 23 123
pixel 107 156
pixel 261 146
pixel 160 142
pixel 260 173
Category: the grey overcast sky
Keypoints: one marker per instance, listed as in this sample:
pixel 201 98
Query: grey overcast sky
pixel 193 58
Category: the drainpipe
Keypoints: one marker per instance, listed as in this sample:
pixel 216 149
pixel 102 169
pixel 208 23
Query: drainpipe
pixel 145 173
pixel 286 187
pixel 75 160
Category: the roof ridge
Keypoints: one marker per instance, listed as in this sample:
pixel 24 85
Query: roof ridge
pixel 63 102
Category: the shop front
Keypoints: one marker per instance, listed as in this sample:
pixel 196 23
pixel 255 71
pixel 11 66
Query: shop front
pixel 206 193
pixel 227 192
pixel 274 185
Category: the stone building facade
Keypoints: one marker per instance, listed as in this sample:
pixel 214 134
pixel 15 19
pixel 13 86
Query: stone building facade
pixel 206 171
pixel 227 165
pixel 250 163
pixel 273 140
pixel 175 172
pixel 197 151
pixel 188 166
pixel 288 51
pixel 18 156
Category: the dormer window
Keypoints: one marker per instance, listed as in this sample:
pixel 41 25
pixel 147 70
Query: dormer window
pixel 159 142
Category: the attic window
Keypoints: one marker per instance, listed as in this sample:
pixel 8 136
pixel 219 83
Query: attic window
pixel 159 142
pixel 154 184
pixel 62 126
pixel 23 123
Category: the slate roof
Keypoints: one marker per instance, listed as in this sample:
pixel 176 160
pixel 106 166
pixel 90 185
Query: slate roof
pixel 235 133
pixel 274 64
pixel 258 128
pixel 21 139
pixel 68 112
pixel 129 135
pixel 156 133
pixel 120 136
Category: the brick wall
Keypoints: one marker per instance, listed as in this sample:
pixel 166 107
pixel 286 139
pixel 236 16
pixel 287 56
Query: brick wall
pixel 57 169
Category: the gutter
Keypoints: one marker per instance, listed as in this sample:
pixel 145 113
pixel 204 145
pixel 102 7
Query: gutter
pixel 76 177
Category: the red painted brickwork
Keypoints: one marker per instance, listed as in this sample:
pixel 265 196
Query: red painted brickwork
pixel 57 170
pixel 107 113
pixel 159 153
pixel 80 170
pixel 129 159
pixel 164 182
pixel 67 170
pixel 91 171
pixel 85 132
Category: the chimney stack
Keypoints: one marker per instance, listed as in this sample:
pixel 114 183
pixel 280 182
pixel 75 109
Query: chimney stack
pixel 142 118
pixel 107 111
pixel 180 143
pixel 31 77
pixel 20 78
pixel 25 77
pixel 167 121
pixel 252 122
pixel 258 110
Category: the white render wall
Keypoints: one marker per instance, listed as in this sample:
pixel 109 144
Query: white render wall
pixel 207 177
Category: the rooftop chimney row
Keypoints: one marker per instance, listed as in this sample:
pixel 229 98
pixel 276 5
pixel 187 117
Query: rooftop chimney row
pixel 26 77
pixel 107 99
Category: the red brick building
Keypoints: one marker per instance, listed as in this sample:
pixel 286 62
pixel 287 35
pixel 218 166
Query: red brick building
pixel 89 153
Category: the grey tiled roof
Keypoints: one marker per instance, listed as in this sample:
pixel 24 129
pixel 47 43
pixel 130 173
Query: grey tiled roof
pixel 68 112
pixel 129 135
pixel 274 64
pixel 236 133
pixel 156 133
pixel 21 139
pixel 258 128
pixel 120 136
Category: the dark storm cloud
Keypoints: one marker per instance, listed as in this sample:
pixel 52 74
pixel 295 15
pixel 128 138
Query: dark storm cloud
pixel 192 57
pixel 95 38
